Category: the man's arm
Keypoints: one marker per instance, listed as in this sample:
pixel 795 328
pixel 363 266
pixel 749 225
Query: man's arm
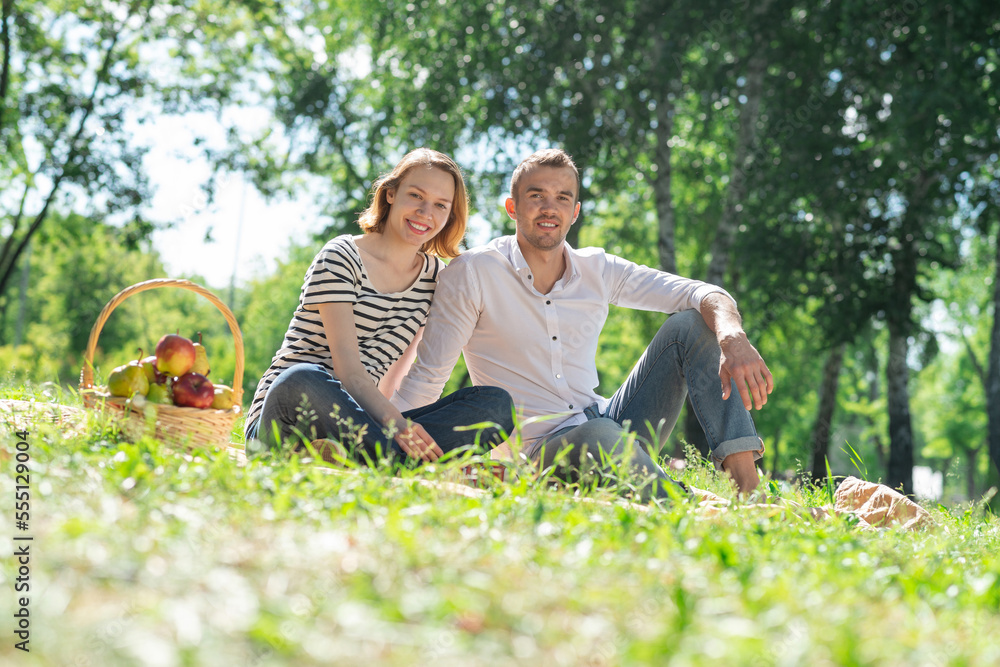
pixel 635 286
pixel 740 360
pixel 452 319
pixel 399 368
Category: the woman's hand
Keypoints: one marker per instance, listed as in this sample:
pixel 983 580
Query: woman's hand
pixel 417 443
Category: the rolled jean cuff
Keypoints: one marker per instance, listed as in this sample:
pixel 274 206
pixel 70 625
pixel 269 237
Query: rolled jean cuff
pixel 750 443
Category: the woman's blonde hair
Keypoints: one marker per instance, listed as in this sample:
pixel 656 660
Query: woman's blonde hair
pixel 445 243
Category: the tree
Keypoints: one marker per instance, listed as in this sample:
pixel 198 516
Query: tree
pixel 988 190
pixel 74 77
pixel 880 159
pixel 920 140
pixel 954 410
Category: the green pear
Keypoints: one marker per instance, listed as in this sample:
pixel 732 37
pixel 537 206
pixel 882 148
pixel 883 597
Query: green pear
pixel 160 393
pixel 200 360
pixel 223 399
pixel 128 380
pixel 148 365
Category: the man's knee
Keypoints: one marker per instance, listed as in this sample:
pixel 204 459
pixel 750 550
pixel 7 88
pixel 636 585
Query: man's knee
pixel 689 321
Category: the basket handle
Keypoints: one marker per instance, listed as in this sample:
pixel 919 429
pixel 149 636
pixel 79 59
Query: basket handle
pixel 87 374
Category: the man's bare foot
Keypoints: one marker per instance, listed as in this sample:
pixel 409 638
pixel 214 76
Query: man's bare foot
pixel 742 469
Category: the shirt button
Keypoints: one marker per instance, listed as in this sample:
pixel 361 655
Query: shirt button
pixel 554 337
pixel 529 277
pixel 558 377
pixel 548 303
pixel 570 406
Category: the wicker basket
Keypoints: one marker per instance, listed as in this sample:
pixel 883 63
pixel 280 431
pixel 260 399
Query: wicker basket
pixel 172 424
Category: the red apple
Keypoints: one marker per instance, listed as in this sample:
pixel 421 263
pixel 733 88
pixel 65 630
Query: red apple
pixel 174 355
pixel 193 390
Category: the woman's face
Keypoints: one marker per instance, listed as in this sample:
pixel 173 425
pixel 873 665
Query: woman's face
pixel 419 208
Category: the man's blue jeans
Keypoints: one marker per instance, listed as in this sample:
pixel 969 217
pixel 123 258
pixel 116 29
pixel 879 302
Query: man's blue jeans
pixel 682 359
pixel 306 402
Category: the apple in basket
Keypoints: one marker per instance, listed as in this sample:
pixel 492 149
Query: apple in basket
pixel 193 390
pixel 175 355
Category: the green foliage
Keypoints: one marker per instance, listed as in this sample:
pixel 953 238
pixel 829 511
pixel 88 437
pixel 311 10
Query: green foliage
pixel 74 269
pixel 26 363
pixel 786 340
pixel 266 306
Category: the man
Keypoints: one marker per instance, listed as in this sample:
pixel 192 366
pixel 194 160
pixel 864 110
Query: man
pixel 527 311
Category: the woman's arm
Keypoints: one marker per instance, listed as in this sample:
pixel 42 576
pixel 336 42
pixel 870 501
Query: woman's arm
pixel 390 381
pixel 342 337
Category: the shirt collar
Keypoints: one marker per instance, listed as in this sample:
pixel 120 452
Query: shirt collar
pixel 509 248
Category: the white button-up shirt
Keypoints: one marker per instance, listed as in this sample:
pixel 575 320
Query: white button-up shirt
pixel 541 348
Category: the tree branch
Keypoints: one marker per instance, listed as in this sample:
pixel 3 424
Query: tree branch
pixel 15 224
pixel 980 371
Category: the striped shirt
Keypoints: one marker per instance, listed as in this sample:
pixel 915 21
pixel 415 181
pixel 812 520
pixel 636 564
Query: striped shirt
pixel 386 323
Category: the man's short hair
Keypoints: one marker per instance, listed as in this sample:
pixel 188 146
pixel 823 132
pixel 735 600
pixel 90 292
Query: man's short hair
pixel 547 157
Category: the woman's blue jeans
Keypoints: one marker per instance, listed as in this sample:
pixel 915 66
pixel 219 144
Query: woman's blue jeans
pixel 307 403
pixel 682 359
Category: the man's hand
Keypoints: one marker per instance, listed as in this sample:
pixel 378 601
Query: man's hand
pixel 742 362
pixel 417 443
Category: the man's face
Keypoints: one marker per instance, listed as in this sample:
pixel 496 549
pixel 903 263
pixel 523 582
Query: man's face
pixel 545 206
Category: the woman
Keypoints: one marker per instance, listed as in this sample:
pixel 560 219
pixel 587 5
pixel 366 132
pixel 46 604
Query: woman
pixel 360 316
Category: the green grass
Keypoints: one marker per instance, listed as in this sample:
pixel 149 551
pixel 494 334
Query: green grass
pixel 146 556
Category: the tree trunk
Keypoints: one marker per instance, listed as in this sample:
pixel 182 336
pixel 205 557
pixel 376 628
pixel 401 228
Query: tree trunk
pixel 662 186
pixel 22 298
pixel 993 376
pixel 970 472
pixel 743 158
pixel 824 413
pixel 5 45
pixel 664 199
pixel 873 395
pixel 900 470
pixel 573 235
pixel 725 233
